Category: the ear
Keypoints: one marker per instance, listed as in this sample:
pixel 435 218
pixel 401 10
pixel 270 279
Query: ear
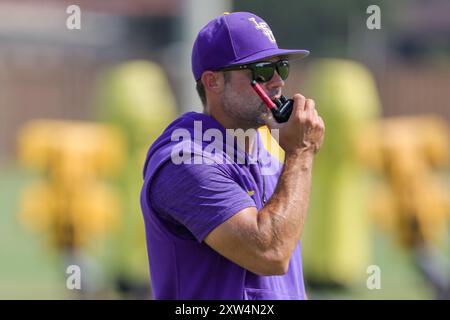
pixel 213 81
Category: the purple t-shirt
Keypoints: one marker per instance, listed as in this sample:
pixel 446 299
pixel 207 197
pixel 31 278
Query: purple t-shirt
pixel 183 202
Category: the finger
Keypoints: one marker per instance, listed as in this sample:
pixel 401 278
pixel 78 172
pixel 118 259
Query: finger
pixel 310 109
pixel 322 124
pixel 299 105
pixel 316 114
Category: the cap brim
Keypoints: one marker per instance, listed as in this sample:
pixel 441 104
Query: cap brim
pixel 285 53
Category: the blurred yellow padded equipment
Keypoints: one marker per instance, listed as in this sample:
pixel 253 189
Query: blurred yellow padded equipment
pixel 70 203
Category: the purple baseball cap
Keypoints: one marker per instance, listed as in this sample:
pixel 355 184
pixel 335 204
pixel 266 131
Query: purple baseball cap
pixel 234 39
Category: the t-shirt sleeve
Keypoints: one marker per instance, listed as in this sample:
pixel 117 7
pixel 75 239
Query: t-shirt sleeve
pixel 198 196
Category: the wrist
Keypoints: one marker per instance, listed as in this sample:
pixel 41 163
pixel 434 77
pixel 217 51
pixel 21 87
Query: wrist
pixel 303 157
pixel 301 153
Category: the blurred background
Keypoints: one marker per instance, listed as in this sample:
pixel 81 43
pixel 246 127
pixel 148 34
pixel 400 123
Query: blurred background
pixel 80 107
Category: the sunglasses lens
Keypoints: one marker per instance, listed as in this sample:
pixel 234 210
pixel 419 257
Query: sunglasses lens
pixel 283 69
pixel 263 73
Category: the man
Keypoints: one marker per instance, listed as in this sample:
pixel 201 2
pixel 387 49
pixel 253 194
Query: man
pixel 229 229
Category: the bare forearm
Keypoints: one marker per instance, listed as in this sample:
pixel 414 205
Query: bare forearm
pixel 281 221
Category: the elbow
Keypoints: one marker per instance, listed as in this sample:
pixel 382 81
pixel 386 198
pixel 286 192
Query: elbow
pixel 279 268
pixel 274 264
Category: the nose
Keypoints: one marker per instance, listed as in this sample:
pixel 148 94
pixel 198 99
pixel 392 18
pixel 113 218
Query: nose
pixel 275 83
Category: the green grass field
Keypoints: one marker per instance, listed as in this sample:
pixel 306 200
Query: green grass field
pixel 27 269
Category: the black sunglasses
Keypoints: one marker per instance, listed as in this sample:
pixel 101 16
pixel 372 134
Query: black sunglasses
pixel 264 71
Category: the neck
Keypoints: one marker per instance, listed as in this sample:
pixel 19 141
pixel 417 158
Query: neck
pixel 246 144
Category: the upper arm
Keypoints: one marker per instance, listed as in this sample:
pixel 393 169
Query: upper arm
pixel 215 209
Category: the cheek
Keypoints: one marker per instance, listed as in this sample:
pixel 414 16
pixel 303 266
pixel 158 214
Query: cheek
pixel 240 93
pixel 247 93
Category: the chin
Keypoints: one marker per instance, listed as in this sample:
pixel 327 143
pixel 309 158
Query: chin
pixel 259 120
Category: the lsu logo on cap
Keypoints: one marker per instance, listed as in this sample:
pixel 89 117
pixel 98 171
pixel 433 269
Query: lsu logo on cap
pixel 264 29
